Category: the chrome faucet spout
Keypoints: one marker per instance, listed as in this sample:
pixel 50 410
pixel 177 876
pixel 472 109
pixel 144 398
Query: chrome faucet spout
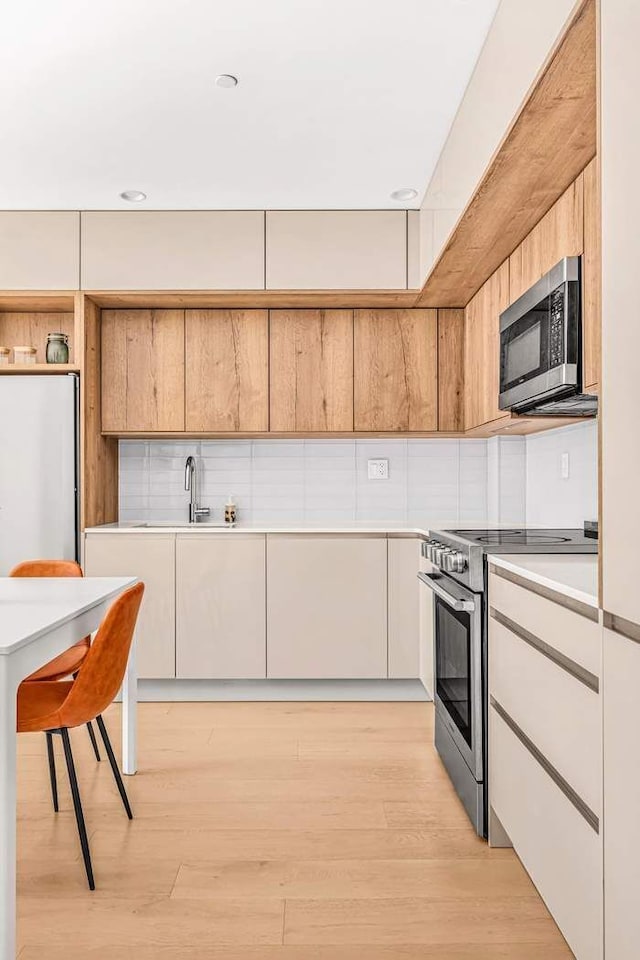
pixel 191 485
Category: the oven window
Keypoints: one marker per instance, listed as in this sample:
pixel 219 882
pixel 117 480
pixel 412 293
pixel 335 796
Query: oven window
pixel 523 354
pixel 453 665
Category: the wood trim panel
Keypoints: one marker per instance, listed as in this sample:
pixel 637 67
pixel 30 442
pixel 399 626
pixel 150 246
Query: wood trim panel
pixel 529 170
pixel 395 370
pixel 99 454
pixel 240 299
pixel 226 370
pixel 592 277
pixel 311 370
pixel 451 370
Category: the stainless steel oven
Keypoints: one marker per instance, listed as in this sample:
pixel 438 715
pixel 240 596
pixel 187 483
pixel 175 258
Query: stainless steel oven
pixel 458 695
pixel 541 347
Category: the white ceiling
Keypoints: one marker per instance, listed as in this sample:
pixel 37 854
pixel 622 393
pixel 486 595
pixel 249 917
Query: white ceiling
pixel 339 101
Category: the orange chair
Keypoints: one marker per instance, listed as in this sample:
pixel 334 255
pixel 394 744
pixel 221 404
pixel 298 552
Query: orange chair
pixel 57 706
pixel 69 662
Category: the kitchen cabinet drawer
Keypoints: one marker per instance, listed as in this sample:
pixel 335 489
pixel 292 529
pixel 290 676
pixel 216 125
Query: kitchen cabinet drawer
pixel 220 607
pixel 151 559
pixel 554 701
pixel 326 607
pixel 404 607
pixel 573 634
pixel 336 249
pixel 39 250
pixel 173 250
pixel 560 850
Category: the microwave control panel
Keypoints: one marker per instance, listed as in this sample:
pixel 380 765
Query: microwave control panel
pixel 557 326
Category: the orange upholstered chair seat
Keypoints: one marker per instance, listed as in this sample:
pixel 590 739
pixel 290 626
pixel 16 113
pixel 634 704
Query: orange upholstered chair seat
pixel 39 705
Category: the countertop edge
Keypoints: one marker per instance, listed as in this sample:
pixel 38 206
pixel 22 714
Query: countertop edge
pixel 552 583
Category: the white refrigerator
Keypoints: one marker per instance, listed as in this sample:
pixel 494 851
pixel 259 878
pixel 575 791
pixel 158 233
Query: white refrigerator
pixel 39 468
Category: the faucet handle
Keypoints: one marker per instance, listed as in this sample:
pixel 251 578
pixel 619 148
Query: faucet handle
pixel 200 512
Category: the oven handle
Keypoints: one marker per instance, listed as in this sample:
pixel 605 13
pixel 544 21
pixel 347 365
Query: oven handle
pixel 456 603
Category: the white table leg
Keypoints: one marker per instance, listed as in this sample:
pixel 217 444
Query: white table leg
pixel 8 691
pixel 129 714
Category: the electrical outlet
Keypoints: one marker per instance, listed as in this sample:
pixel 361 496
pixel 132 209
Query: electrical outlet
pixel 564 466
pixel 378 469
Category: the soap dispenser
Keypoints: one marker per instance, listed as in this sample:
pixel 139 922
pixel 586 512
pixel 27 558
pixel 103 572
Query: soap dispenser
pixel 230 512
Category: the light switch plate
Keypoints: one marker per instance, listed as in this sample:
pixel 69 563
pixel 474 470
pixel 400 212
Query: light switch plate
pixel 378 469
pixel 564 466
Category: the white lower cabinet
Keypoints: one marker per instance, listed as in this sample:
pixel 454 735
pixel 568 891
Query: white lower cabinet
pixel 404 607
pixel 151 558
pixel 326 607
pixel 622 797
pixel 220 606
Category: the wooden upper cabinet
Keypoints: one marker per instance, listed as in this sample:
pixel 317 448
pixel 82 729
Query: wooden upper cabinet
pixel 482 350
pixel 143 371
pixel 173 250
pixel 311 370
pixel 451 370
pixel 227 371
pixel 592 277
pixel 39 250
pixel 395 364
pixel 336 250
pixel 559 234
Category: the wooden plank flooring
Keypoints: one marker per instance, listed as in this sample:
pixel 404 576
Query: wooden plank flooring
pixel 274 831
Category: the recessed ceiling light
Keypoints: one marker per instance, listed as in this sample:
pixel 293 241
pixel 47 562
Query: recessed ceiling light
pixel 405 193
pixel 226 80
pixel 133 196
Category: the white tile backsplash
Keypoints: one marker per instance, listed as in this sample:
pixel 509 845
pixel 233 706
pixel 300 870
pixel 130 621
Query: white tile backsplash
pixel 431 481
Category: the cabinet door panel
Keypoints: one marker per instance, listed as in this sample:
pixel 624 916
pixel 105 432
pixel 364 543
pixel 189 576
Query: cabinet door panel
pixel 404 607
pixel 395 363
pixel 220 607
pixel 326 607
pixel 482 350
pixel 39 250
pixel 227 375
pixel 311 370
pixel 151 558
pixel 173 250
pixel 450 370
pixel 143 370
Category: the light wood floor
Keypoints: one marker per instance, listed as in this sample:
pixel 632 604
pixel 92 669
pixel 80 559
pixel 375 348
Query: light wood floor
pixel 275 831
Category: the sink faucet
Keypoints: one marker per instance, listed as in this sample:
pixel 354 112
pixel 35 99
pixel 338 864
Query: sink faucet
pixel 190 484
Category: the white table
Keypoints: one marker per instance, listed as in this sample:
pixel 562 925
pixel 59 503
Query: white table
pixel 39 618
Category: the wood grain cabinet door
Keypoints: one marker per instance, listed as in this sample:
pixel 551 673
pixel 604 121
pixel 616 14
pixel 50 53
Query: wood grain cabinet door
pixel 227 371
pixel 142 370
pixel 395 364
pixel 311 370
pixel 482 350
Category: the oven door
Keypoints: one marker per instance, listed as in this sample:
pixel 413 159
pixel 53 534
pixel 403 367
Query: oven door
pixel 458 665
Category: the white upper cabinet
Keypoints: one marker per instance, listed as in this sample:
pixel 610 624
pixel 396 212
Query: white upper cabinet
pixel 173 250
pixel 336 249
pixel 39 250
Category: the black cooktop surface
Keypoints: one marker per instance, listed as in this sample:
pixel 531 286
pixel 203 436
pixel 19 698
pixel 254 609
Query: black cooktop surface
pixel 525 538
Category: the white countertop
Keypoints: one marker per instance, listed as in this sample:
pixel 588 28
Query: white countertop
pixel 338 528
pixel 574 575
pixel 33 606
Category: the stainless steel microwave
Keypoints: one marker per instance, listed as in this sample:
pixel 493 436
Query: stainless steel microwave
pixel 541 348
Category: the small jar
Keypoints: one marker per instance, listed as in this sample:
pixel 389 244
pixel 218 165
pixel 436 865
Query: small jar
pixel 5 353
pixel 24 355
pixel 57 348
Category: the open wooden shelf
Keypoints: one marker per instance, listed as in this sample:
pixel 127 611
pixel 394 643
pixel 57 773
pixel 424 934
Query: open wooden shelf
pixel 39 368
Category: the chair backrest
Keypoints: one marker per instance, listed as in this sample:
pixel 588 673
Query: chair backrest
pixel 47 568
pixel 100 676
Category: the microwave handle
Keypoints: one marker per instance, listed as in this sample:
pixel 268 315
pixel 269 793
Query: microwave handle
pixel 460 604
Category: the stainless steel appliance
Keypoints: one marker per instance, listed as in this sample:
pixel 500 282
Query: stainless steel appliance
pixel 541 348
pixel 459 582
pixel 39 503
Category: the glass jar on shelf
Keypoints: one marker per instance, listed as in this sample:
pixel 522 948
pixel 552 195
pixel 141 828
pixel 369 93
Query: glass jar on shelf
pixel 5 353
pixel 24 355
pixel 57 348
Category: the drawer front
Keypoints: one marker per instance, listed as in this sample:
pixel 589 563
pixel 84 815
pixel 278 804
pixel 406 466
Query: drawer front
pixel 560 850
pixel 558 708
pixel 574 635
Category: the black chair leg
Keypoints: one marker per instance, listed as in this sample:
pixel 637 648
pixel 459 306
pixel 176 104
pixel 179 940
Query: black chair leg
pixel 52 770
pixel 114 765
pixel 94 742
pixel 77 806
